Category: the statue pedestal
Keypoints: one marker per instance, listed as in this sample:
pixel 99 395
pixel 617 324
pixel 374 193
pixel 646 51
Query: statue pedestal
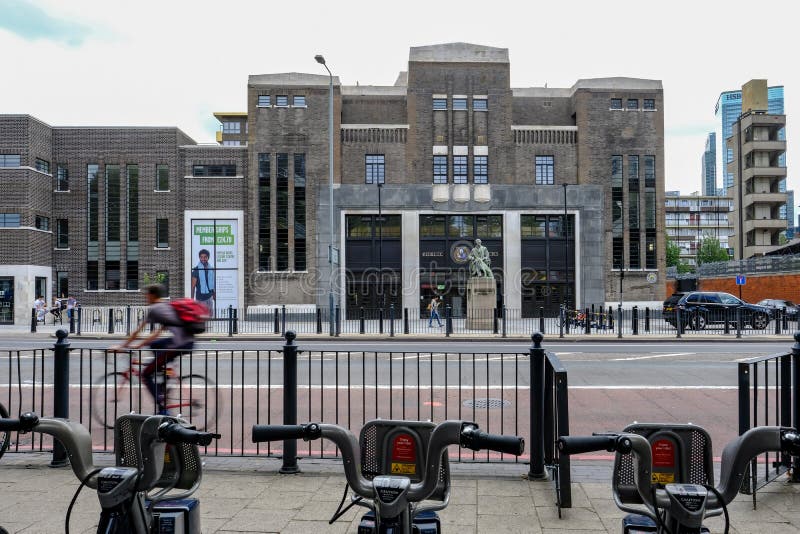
pixel 481 303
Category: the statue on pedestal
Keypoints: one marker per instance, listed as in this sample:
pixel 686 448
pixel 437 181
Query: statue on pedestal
pixel 479 262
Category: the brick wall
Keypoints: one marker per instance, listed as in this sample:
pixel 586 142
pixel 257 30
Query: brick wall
pixel 773 286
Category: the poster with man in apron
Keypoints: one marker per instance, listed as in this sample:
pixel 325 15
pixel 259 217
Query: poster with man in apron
pixel 203 282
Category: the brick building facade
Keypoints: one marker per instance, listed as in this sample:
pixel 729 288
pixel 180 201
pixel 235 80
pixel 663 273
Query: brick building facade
pixel 459 154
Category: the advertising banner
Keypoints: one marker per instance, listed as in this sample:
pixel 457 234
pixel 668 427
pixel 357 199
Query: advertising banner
pixel 215 263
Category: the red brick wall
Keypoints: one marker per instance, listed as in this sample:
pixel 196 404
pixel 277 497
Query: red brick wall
pixel 771 286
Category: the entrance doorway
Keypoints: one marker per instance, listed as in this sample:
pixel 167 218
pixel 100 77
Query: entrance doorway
pixel 6 300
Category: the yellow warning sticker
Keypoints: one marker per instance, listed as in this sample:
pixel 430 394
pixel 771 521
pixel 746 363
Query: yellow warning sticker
pixel 404 469
pixel 663 478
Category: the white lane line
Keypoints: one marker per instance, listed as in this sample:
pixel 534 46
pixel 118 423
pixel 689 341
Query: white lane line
pixel 652 356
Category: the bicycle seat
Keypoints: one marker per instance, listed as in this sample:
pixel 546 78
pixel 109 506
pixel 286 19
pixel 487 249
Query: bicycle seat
pixel 681 454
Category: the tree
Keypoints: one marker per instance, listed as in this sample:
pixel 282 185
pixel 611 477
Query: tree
pixel 674 258
pixel 710 251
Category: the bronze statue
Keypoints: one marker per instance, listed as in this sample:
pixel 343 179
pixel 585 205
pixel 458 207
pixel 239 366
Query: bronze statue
pixel 479 261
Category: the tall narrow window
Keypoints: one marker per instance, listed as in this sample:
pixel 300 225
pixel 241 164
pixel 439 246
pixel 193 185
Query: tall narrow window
pixel 375 168
pixel 299 212
pixel 93 227
pixel 62 178
pixel 649 171
pixel 264 221
pixel 634 261
pixel 617 252
pixel 113 227
pixel 650 249
pixel 62 284
pixel 480 169
pixel 62 233
pixel 633 173
pixel 132 264
pixel 162 178
pixel 162 233
pixel 282 212
pixel 460 169
pixel 42 165
pixel 440 169
pixel 545 172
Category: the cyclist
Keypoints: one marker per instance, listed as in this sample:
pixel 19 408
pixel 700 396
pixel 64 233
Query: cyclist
pixel 164 349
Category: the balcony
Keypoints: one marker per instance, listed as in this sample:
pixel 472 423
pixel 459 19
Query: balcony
pixel 764 198
pixel 763 119
pixel 776 146
pixel 771 172
pixel 764 224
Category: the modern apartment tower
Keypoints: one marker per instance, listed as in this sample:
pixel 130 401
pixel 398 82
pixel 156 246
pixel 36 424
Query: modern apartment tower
pixel 709 166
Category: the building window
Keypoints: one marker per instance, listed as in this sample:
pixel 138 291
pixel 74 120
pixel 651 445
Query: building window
pixel 9 220
pixel 62 284
pixel 162 178
pixel 162 233
pixel 132 275
pixel 282 101
pixel 616 211
pixel 375 168
pixel 616 103
pixel 264 222
pixel 113 206
pixel 10 160
pixel 62 178
pixel 113 275
pixel 263 101
pixel 633 210
pixel 62 233
pixel 164 277
pixel 480 104
pixel 633 104
pixel 42 223
pixel 649 171
pixel 299 212
pixel 649 104
pixel 633 173
pixel 93 218
pixel 231 127
pixel 460 169
pixel 214 170
pixel 459 103
pixel 42 165
pixel 616 171
pixel 231 142
pixel 440 169
pixel 299 101
pixel 439 104
pixel 92 275
pixel 650 210
pixel 650 250
pixel 480 169
pixel 132 264
pixel 282 212
pixel 544 170
pixel 618 251
pixel 634 261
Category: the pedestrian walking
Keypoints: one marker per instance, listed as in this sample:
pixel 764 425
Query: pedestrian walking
pixel 72 302
pixel 433 307
pixel 41 307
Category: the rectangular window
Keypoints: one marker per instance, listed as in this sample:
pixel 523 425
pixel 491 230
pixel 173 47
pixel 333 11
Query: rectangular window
pixel 231 127
pixel 545 172
pixel 133 204
pixel 229 142
pixel 634 261
pixel 650 210
pixel 42 165
pixel 460 169
pixel 162 233
pixel 431 226
pixel 164 277
pixel 616 171
pixel 375 168
pixel 9 220
pixel 480 104
pixel 649 171
pixel 480 169
pixel 62 284
pixel 440 104
pixel 282 212
pixel 214 170
pixel 440 169
pixel 649 104
pixel 92 275
pixel 460 226
pixel 489 226
pixel 113 275
pixel 62 233
pixel 299 212
pixel 132 275
pixel 299 101
pixel 633 210
pixel 459 103
pixel 10 160
pixel 264 221
pixel 616 103
pixel 113 205
pixel 162 177
pixel 42 223
pixel 616 211
pixel 359 226
pixel 282 101
pixel 633 103
pixel 650 249
pixel 533 225
pixel 618 252
pixel 93 217
pixel 62 178
pixel 263 101
pixel 633 173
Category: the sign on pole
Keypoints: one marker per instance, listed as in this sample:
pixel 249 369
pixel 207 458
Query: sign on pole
pixel 740 279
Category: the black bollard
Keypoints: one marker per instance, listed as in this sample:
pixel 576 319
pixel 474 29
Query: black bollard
pixel 537 470
pixel 33 320
pixel 60 392
pixel 319 320
pixel 405 321
pixel 635 320
pixel 391 320
pixel 290 402
pixel 647 319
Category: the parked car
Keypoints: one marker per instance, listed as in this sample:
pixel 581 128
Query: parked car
pixel 780 304
pixel 701 308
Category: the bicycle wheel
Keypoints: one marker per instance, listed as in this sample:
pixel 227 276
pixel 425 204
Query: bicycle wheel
pixel 115 394
pixel 5 437
pixel 195 399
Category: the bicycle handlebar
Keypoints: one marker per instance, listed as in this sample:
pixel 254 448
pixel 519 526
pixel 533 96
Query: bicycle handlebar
pixel 173 433
pixel 308 432
pixel 475 439
pixel 25 423
pixel 596 442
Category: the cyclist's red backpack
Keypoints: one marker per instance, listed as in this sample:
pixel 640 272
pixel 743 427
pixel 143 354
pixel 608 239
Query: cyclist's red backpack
pixel 191 314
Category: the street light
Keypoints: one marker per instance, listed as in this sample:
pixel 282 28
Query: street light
pixel 331 249
pixel 566 248
pixel 380 242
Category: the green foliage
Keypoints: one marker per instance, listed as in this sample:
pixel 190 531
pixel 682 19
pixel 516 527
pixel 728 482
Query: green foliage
pixel 158 278
pixel 673 253
pixel 710 251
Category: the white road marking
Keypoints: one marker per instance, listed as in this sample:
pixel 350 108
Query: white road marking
pixel 650 357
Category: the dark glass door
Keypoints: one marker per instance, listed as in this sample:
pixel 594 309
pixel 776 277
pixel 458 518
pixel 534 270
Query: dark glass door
pixel 6 299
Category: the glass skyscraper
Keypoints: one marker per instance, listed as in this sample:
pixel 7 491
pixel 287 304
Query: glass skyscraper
pixel 709 166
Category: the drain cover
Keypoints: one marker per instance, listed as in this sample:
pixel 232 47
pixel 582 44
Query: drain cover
pixel 486 403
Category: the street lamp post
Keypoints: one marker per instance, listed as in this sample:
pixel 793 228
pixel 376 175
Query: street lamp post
pixel 566 248
pixel 380 245
pixel 331 249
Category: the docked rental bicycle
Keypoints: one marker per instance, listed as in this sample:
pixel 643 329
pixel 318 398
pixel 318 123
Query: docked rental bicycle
pixel 664 476
pixel 395 466
pixel 188 394
pixel 5 433
pixel 157 469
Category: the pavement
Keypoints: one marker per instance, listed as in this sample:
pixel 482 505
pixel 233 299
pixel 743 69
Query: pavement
pixel 249 495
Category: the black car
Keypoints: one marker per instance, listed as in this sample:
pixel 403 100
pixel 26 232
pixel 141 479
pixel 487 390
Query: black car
pixel 701 308
pixel 781 304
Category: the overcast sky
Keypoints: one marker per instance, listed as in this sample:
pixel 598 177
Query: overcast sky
pixel 173 63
